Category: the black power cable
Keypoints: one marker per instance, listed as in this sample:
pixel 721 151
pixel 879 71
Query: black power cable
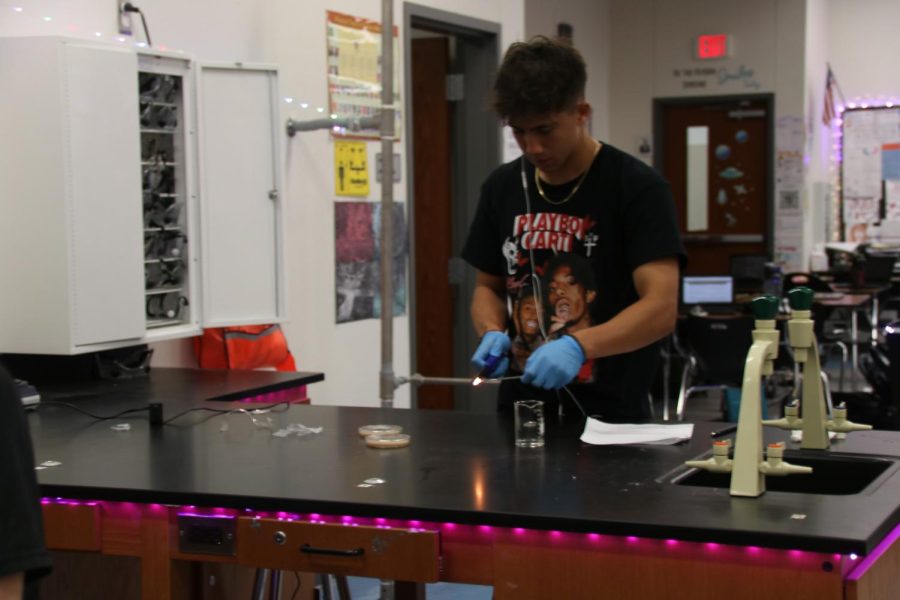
pixel 226 411
pixel 156 414
pixel 45 403
pixel 131 8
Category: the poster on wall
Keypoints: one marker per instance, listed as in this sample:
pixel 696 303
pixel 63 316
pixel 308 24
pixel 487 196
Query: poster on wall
pixel 890 161
pixel 399 253
pixel 354 71
pixel 357 260
pixel 789 143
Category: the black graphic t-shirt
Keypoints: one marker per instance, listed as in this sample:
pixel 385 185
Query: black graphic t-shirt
pixel 568 260
pixel 22 547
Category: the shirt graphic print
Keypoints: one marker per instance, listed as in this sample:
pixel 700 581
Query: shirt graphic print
pixel 556 297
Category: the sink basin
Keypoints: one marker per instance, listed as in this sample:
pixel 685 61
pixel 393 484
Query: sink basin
pixel 832 475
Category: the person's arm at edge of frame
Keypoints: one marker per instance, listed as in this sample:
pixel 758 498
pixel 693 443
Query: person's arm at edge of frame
pixel 12 586
pixel 649 319
pixel 488 309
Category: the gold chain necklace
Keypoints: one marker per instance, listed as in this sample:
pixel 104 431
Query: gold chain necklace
pixel 537 182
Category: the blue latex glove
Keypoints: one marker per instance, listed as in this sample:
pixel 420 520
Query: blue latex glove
pixel 554 364
pixel 493 350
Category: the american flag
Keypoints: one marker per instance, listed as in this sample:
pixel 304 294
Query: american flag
pixel 828 112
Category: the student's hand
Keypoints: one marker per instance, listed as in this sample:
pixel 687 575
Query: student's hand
pixel 554 364
pixel 494 347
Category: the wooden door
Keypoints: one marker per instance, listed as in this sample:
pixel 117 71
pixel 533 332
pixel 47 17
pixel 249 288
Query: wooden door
pixel 433 218
pixel 731 141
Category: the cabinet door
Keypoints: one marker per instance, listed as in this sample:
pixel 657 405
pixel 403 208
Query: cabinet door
pixel 103 152
pixel 240 162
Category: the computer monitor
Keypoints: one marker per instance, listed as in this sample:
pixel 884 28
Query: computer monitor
pixel 707 290
pixel 748 271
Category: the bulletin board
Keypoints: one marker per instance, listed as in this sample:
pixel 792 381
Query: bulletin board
pixel 870 170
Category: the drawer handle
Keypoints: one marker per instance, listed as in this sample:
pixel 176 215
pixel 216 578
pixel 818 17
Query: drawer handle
pixel 307 549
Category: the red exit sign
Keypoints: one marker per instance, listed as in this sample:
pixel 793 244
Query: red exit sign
pixel 716 45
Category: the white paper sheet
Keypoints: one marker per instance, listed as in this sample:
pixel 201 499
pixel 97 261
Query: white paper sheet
pixel 599 433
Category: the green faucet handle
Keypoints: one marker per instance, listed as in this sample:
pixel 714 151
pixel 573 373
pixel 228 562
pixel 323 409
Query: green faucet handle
pixel 765 308
pixel 800 298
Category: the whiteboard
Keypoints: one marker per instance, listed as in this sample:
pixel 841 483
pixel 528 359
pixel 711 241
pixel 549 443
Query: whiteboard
pixel 865 134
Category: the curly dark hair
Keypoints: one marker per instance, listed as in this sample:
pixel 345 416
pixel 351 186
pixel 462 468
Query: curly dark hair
pixel 538 77
pixel 579 266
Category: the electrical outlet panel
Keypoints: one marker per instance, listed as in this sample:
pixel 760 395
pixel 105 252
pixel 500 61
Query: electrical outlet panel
pixel 206 534
pixel 123 19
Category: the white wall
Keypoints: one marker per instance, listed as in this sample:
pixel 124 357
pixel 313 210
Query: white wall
pixel 787 43
pixel 864 46
pixel 590 20
pixel 652 57
pixel 652 49
pixel 291 34
pixel 816 198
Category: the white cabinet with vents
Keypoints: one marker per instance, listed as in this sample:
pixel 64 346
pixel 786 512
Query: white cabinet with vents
pixel 139 196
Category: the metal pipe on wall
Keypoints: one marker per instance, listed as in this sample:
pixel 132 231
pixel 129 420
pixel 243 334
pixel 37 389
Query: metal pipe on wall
pixel 388 382
pixel 351 123
pixel 387 379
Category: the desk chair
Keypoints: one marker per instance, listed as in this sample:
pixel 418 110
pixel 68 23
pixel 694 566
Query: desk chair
pixel 716 348
pixel 748 272
pixel 876 271
pixel 881 368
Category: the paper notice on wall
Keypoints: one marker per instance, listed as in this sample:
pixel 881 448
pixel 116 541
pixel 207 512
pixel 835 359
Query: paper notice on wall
pixel 859 214
pixel 790 136
pixel 892 199
pixel 788 169
pixel 859 128
pixel 887 125
pixel 862 170
pixel 351 168
pixel 859 209
pixel 890 161
pixel 791 225
pixel 788 256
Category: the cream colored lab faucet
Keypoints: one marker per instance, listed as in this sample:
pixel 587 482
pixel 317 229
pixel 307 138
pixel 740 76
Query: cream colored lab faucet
pixel 813 419
pixel 748 468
